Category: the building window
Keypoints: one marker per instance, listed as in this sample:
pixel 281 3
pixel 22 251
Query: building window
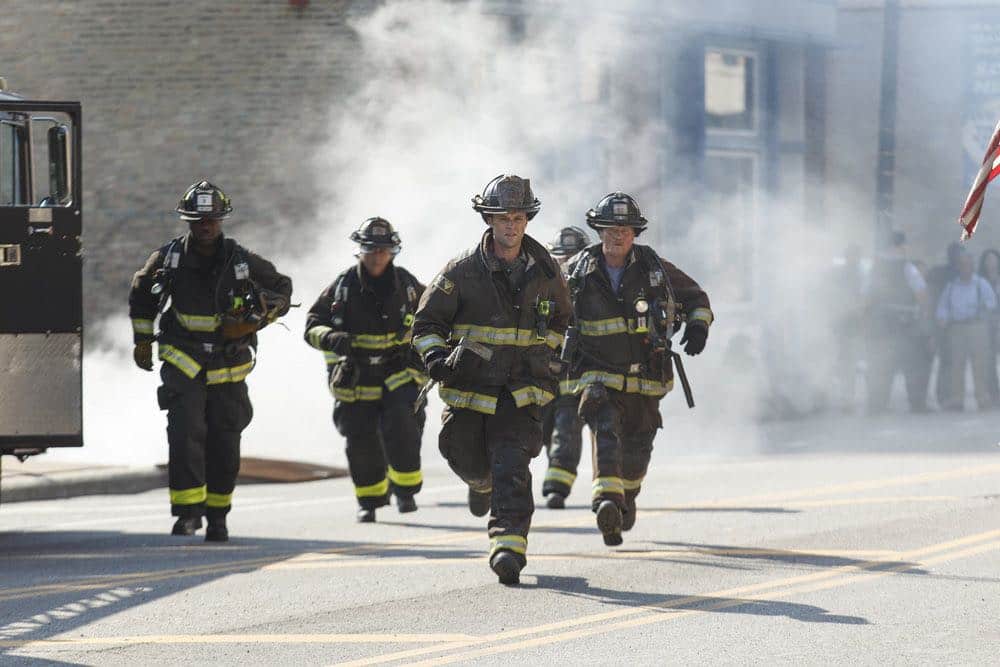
pixel 730 90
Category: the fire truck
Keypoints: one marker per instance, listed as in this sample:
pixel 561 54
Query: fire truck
pixel 41 286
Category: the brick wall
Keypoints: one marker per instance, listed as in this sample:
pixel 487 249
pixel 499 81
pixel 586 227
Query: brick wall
pixel 235 91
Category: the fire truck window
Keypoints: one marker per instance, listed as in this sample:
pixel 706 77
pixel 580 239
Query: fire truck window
pixel 8 166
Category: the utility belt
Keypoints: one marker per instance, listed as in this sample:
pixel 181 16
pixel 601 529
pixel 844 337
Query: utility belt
pixel 207 350
pixel 375 360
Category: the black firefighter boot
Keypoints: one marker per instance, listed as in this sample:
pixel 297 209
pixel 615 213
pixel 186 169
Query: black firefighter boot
pixel 366 515
pixel 406 504
pixel 556 501
pixel 507 567
pixel 628 517
pixel 186 525
pixel 609 522
pixel 217 530
pixel 479 503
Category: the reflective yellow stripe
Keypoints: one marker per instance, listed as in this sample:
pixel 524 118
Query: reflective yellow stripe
pixel 553 339
pixel 316 333
pixel 424 343
pixel 397 380
pixel 373 490
pixel 359 393
pixel 469 399
pixel 647 387
pixel 496 336
pixel 141 326
pixel 219 500
pixel 609 380
pixel 405 478
pixel 514 543
pixel 231 374
pixel 608 327
pixel 608 485
pixel 188 496
pixel 632 484
pixel 332 358
pixel 197 322
pixel 560 475
pixel 531 395
pixel 183 362
pixel 702 315
pixel 378 341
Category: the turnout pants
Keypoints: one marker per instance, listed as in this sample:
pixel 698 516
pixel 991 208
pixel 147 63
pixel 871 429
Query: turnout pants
pixel 204 423
pixel 383 445
pixel 491 453
pixel 622 429
pixel 564 442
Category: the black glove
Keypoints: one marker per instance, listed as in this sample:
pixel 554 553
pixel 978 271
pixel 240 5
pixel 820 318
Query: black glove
pixel 338 342
pixel 437 369
pixel 695 335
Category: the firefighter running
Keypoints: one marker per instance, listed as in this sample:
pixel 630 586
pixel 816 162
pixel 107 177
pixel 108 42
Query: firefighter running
pixel 362 322
pixel 561 424
pixel 212 296
pixel 486 329
pixel 626 300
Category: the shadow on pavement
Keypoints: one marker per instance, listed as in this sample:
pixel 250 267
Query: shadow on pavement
pixel 54 582
pixel 794 557
pixel 578 587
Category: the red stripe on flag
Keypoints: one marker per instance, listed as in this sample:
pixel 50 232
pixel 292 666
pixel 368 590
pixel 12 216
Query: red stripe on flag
pixel 989 170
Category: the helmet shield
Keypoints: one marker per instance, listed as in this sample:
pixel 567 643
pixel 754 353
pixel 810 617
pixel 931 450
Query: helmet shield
pixel 204 200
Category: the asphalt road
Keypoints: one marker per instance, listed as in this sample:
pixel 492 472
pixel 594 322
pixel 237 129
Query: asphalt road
pixel 817 558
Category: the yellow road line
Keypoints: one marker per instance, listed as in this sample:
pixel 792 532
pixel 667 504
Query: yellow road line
pixel 659 617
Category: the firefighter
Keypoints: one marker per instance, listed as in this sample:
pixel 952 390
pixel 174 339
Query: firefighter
pixel 362 324
pixel 486 329
pixel 626 299
pixel 212 296
pixel 561 424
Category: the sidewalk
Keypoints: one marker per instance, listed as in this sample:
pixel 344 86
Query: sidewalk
pixel 38 479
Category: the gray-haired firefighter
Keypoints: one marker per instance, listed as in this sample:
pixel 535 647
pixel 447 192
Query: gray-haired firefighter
pixel 561 424
pixel 362 323
pixel 487 328
pixel 626 300
pixel 212 296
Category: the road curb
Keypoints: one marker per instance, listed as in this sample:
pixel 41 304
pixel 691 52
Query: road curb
pixel 103 481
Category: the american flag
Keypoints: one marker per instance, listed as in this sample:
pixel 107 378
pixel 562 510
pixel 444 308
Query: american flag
pixel 989 170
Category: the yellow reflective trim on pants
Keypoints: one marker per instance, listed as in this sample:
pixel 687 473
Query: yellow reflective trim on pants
pixel 559 475
pixel 647 387
pixel 608 485
pixel 372 490
pixel 378 341
pixel 531 395
pixel 632 484
pixel 496 335
pixel 230 374
pixel 469 399
pixel 702 315
pixel 405 478
pixel 197 322
pixel 219 500
pixel 608 327
pixel 397 380
pixel 142 326
pixel 359 393
pixel 315 335
pixel 515 543
pixel 188 496
pixel 184 363
pixel 332 358
pixel 424 343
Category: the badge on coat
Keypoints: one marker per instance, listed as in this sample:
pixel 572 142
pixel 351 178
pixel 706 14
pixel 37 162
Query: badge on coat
pixel 444 284
pixel 655 278
pixel 242 271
